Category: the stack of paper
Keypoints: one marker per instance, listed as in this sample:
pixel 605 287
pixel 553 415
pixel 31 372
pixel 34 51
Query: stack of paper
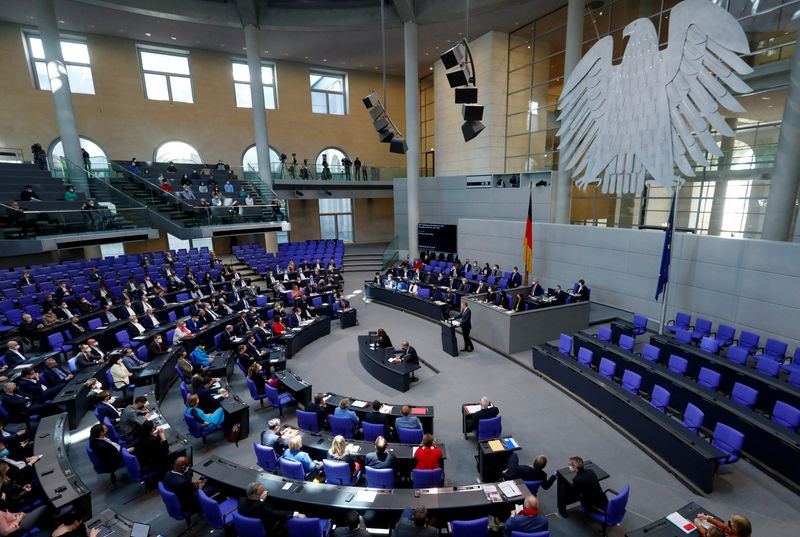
pixel 350 448
pixel 685 526
pixel 359 404
pixel 367 496
pixel 386 409
pixel 471 409
pixel 496 445
pixel 510 489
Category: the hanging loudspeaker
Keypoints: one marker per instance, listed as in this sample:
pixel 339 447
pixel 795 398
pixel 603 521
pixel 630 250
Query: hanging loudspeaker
pixel 470 129
pixel 472 112
pixel 466 95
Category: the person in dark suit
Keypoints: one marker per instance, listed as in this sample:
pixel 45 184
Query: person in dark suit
pixel 519 303
pixel 179 482
pixel 19 406
pixel 381 457
pixel 582 291
pixel 75 327
pixel 85 359
pixel 377 417
pixel 29 384
pixel 108 316
pixel 106 451
pixel 105 409
pixel 383 340
pixel 150 320
pixel 415 523
pixel 466 325
pixel 14 356
pixel 463 286
pixel 587 487
pixel 515 470
pixel 229 339
pixel 560 295
pixel 536 289
pixel 408 353
pixel 254 505
pixel 194 324
pixel 207 403
pixel 486 411
pixel 152 449
pixel 318 407
pixel 54 374
pixel 26 279
pixel 515 280
pixel 526 521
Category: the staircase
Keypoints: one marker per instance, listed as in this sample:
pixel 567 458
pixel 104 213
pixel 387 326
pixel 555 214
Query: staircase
pixel 363 257
pixel 153 201
pixel 245 270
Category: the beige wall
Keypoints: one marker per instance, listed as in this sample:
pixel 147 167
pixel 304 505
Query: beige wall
pixel 125 124
pixel 373 219
pixel 304 216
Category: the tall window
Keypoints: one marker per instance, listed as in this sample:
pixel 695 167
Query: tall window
pixel 177 151
pixel 333 157
pixel 97 157
pixel 250 159
pixel 76 60
pixel 166 75
pixel 241 85
pixel 336 219
pixel 328 93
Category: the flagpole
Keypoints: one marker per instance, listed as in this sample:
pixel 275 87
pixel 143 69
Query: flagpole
pixel 669 267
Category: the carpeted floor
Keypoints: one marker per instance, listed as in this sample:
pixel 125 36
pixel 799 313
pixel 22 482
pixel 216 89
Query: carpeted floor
pixel 542 418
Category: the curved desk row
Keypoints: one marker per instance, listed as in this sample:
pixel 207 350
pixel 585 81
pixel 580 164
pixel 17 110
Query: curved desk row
pixel 362 407
pixel 679 450
pixel 72 398
pixel 61 485
pixel 333 501
pixel 376 362
pixel 299 338
pixel 178 444
pixel 769 389
pixel 766 443
pixel 318 444
pixel 434 310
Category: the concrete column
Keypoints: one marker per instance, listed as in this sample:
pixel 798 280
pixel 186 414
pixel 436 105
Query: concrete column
pixel 62 98
pixel 572 55
pixel 271 241
pixel 412 134
pixel 253 43
pixel 727 145
pixel 786 174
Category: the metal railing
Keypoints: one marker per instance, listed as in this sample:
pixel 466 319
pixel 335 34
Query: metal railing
pixel 390 253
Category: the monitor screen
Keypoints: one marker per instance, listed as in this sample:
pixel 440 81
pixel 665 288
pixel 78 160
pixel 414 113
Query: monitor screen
pixel 438 237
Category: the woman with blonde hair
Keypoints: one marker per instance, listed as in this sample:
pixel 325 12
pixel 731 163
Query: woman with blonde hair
pixel 338 452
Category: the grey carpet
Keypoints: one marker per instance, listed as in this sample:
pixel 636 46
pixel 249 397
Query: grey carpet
pixel 541 418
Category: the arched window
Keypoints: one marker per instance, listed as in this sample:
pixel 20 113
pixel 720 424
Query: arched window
pixel 250 159
pixel 97 157
pixel 178 152
pixel 742 156
pixel 334 157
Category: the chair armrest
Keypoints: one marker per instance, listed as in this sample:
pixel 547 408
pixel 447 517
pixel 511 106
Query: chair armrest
pixel 670 322
pixel 611 490
pixel 759 349
pixel 226 513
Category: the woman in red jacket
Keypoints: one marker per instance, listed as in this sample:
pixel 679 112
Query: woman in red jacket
pixel 428 456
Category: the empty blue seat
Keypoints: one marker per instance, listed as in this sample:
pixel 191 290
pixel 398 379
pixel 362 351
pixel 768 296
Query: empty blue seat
pixel 693 418
pixel 683 336
pixel 729 440
pixel 565 344
pixel 626 342
pixel 786 415
pixel 631 381
pixel 682 320
pixel 308 421
pixel 744 395
pixel 489 428
pixel 412 436
pixel 650 353
pixel 607 368
pixel 265 457
pixel 749 341
pixel 709 344
pixel 614 511
pixel 382 478
pixel 768 366
pixel 725 335
pixel 660 398
pixel 708 378
pixel 585 357
pixel 737 355
pixel 677 364
pixel 639 324
pixel 604 334
pixel 702 328
pixel 425 479
pixel 775 349
pixel 794 365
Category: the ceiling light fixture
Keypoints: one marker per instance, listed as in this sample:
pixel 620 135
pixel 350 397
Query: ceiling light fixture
pixel 173 38
pixel 148 34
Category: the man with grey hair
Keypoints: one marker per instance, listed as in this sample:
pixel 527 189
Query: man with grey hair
pixel 526 521
pixel 487 411
pixel 271 437
pixel 254 505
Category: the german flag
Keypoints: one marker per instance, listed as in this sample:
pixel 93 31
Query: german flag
pixel 528 255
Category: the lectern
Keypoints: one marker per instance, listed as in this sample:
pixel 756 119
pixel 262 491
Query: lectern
pixel 449 342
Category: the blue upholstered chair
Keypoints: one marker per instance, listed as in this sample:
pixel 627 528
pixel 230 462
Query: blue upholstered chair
pixel 410 436
pixel 615 511
pixel 218 515
pixel 604 334
pixel 682 320
pixel 702 328
pixel 677 364
pixel 693 418
pixel 373 430
pixel 490 428
pixel 786 415
pixel 426 479
pixel 607 368
pixel 639 324
pixel 651 353
pixel 631 381
pixel 173 505
pixel 729 440
pixel 744 395
pixel 724 335
pixel 381 478
pixel 265 456
pixel 278 400
pixel 341 425
pixel 291 469
pixel 478 527
pixel 585 357
pixel 307 421
pixel 660 398
pixel 251 527
pixel 338 473
pixel 709 378
pixel 626 342
pixel 565 344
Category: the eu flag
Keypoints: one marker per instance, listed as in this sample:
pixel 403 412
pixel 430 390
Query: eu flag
pixel 666 254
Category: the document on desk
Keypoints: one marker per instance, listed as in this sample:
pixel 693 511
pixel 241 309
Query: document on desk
pixel 471 409
pixel 163 427
pixel 685 526
pixel 153 416
pixel 510 443
pixel 496 445
pixel 510 489
pixel 359 404
pixel 386 409
pixel 367 496
pixel 350 448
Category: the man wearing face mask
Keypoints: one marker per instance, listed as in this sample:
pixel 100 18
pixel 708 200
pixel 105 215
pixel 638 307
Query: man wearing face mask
pixel 105 408
pixel 85 359
pixel 179 481
pixel 158 347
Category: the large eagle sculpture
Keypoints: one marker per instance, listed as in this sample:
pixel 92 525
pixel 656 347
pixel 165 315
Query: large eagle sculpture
pixel 656 109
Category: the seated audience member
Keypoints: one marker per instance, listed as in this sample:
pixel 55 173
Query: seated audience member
pixel 318 407
pixel 106 451
pixel 152 449
pixel 15 493
pixel 71 524
pixel 158 347
pixel 408 353
pixel 185 366
pixel 273 438
pixel 86 358
pixel 205 392
pixel 383 340
pixel 737 526
pixel 17 442
pixel 254 374
pixel 353 527
pixel 377 417
pixel 406 420
pixel 519 302
pixel 119 373
pixel 30 385
pixel 181 332
pixel 428 456
pixel 105 407
pixel 414 524
pixel 536 288
pixel 338 452
pixel 343 410
pixel 586 486
pixel 255 505
pixel 310 467
pixel 486 411
pixel 206 421
pixel 21 523
pixel 179 482
pixel 14 356
pixel 515 470
pixel 200 357
pixel 19 406
pixel 528 520
pixel 132 362
pixel 381 457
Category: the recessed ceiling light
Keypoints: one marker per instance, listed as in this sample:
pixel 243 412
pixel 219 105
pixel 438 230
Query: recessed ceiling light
pixel 600 14
pixel 148 34
pixel 61 22
pixel 266 52
pixel 765 98
pixel 324 59
pixel 427 53
pixel 173 37
pixel 430 68
pixel 306 57
pixel 30 17
pixel 244 48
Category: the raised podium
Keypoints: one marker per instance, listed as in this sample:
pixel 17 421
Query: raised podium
pixel 449 342
pixel 349 318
